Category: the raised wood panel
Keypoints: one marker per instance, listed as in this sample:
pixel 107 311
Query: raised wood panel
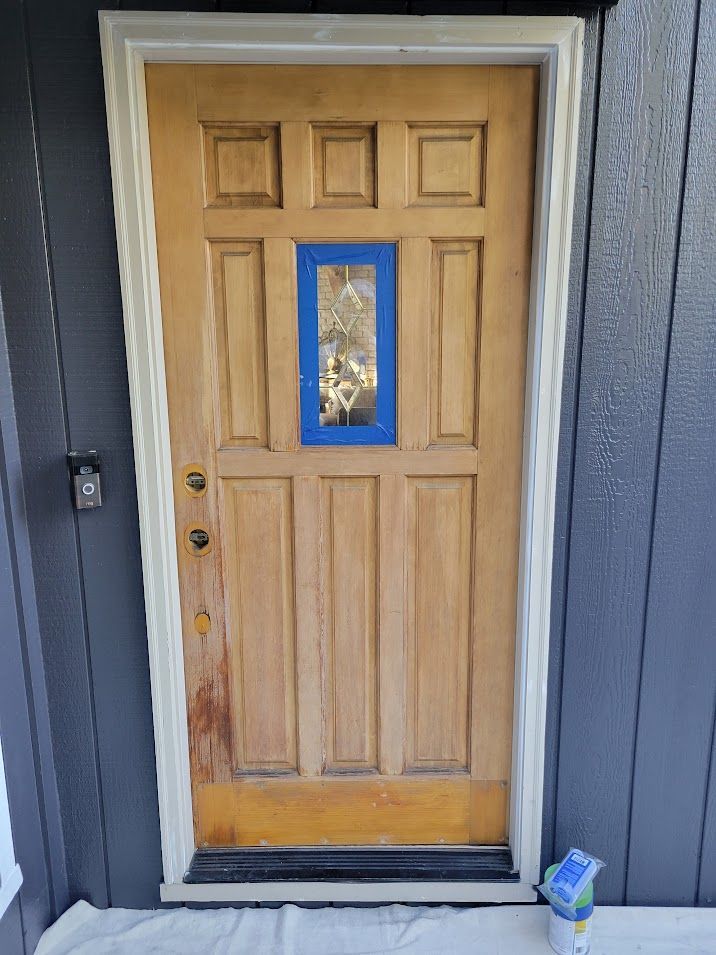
pixel 239 316
pixel 439 530
pixel 349 585
pixel 343 166
pixel 257 533
pixel 454 351
pixel 335 810
pixel 342 93
pixel 445 165
pixel 241 165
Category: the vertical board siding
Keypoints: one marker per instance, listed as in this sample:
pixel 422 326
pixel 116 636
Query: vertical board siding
pixel 678 684
pixel 630 709
pixel 641 134
pixel 121 799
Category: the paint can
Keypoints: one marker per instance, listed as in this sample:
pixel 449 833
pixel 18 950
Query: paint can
pixel 569 937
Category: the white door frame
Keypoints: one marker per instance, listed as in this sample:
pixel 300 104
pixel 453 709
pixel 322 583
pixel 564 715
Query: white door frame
pixel 129 40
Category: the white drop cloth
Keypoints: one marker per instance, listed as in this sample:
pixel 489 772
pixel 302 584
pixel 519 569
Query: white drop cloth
pixel 505 930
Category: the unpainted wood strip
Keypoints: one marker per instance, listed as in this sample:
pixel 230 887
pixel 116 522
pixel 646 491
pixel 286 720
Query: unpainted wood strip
pixel 350 462
pixel 391 165
pixel 392 503
pixel 262 93
pixel 511 138
pixel 414 344
pixel 351 225
pixel 489 812
pixel 336 810
pixel 309 625
pixel 281 342
pixel 178 199
pixel 296 165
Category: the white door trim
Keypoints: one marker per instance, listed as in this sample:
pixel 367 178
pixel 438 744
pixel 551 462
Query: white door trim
pixel 129 40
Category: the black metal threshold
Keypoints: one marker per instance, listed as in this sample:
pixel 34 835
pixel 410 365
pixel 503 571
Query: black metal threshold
pixel 354 864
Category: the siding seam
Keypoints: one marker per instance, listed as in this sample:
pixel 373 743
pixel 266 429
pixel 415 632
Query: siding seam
pixel 657 457
pixel 52 297
pixel 575 410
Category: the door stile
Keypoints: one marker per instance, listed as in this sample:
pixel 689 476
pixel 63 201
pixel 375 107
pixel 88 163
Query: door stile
pixel 309 625
pixel 281 342
pixel 414 343
pixel 504 320
pixel 391 658
pixel 187 323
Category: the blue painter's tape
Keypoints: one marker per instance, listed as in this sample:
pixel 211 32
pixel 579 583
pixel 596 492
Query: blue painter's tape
pixel 382 256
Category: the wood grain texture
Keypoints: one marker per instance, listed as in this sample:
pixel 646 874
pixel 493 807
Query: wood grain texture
pixel 240 342
pixel 370 810
pixel 176 157
pixel 454 342
pixel 634 235
pixel 355 462
pixel 241 165
pixel 258 543
pixel 445 165
pixel 322 224
pixel 341 93
pixel 414 344
pixel 282 342
pixel 678 677
pixel 349 583
pixel 311 689
pixel 392 516
pixel 509 194
pixel 440 516
pixel 344 170
pixel 309 624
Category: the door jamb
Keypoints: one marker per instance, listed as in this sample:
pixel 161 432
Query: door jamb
pixel 129 40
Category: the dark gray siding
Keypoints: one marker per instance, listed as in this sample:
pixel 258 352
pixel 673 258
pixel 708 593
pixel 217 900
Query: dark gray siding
pixel 632 681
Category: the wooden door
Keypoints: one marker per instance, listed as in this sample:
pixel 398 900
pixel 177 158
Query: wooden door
pixel 348 595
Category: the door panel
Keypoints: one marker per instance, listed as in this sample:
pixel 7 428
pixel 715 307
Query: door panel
pixel 238 305
pixel 438 622
pixel 349 586
pixel 355 684
pixel 454 343
pixel 259 582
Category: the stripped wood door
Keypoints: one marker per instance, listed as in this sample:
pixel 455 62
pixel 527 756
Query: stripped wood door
pixel 348 606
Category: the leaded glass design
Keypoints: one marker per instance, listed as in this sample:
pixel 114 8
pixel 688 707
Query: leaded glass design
pixel 348 374
pixel 346 336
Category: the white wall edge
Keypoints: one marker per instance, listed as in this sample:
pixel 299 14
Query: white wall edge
pixel 9 888
pixel 129 40
pixel 446 892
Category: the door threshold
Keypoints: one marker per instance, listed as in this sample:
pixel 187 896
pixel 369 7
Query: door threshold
pixel 353 864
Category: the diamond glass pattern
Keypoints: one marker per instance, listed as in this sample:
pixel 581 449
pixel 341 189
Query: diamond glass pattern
pixel 347 344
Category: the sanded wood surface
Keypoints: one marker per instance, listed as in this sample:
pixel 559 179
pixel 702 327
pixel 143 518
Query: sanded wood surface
pixel 365 645
pixel 370 810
